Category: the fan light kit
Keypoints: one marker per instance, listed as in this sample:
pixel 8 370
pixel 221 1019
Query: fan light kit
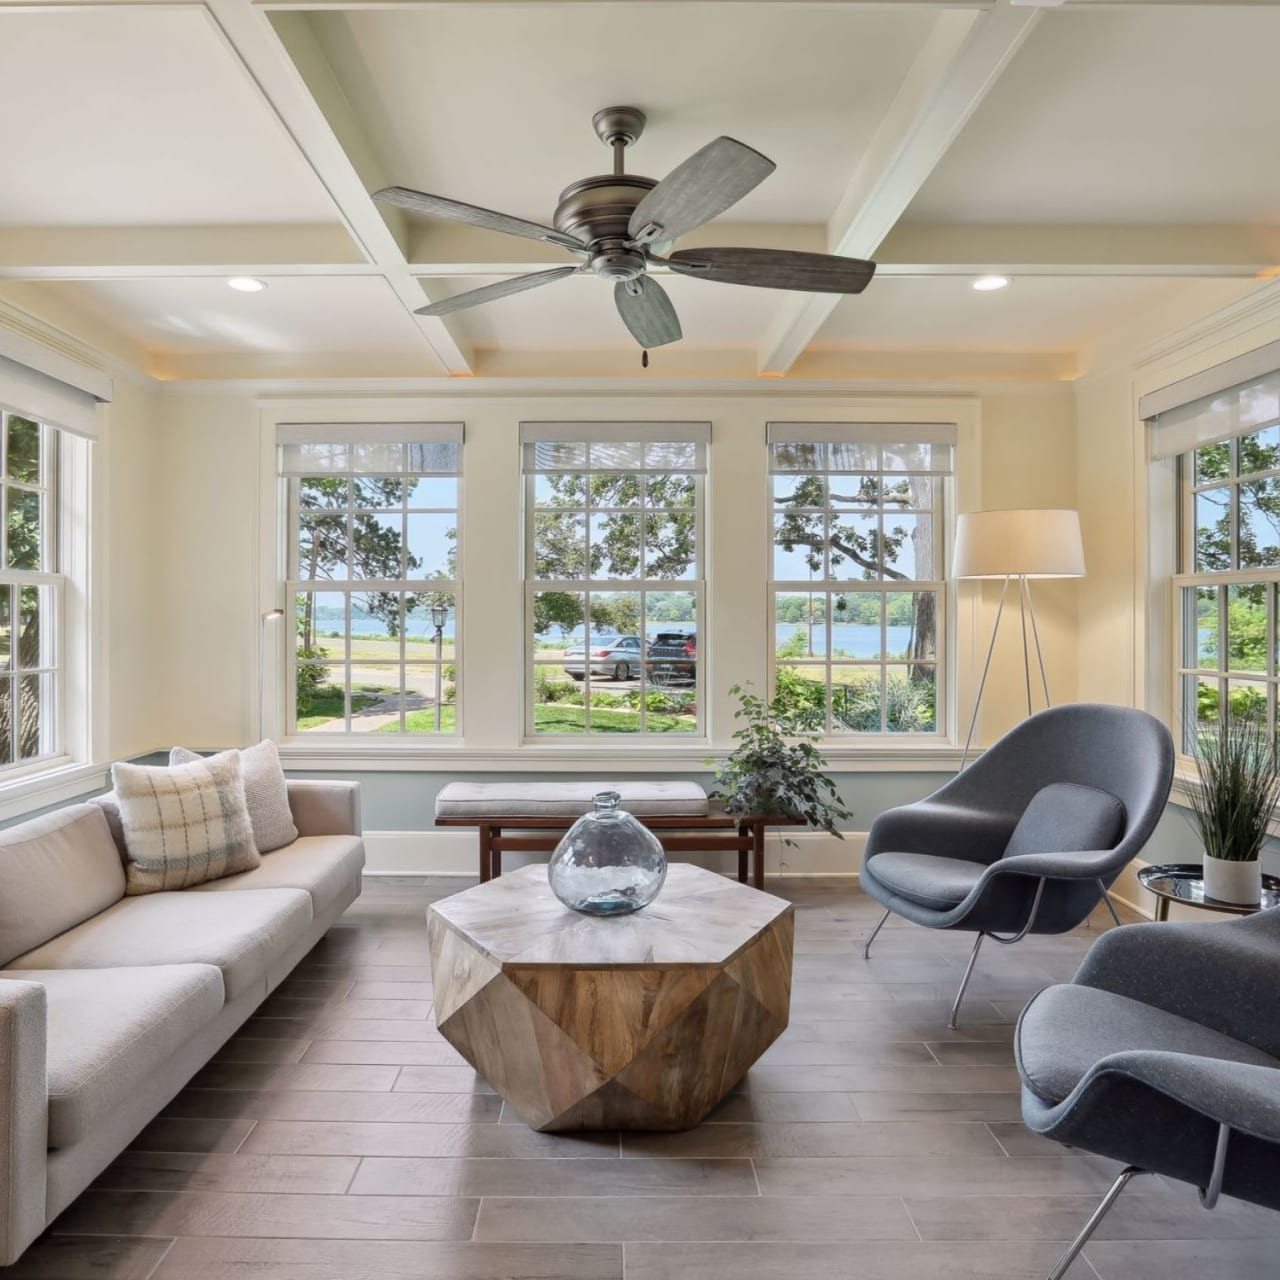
pixel 989 284
pixel 622 225
pixel 246 284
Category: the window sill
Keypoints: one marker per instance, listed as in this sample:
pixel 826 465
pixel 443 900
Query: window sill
pixel 49 782
pixel 688 756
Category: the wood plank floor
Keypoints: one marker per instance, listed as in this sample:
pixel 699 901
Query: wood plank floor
pixel 338 1137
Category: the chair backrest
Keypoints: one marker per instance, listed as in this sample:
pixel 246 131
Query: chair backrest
pixel 1124 752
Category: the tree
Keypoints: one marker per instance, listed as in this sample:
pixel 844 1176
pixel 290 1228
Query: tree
pixel 844 537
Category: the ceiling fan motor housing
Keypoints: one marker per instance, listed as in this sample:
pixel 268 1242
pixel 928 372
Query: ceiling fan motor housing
pixel 597 211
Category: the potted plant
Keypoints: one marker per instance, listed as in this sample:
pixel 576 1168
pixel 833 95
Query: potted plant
pixel 776 768
pixel 1239 785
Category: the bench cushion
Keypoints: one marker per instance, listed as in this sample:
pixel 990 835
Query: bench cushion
pixel 322 865
pixel 55 871
pixel 244 934
pixel 567 799
pixel 109 1029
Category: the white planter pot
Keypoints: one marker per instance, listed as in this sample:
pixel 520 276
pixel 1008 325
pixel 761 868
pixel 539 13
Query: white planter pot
pixel 1238 882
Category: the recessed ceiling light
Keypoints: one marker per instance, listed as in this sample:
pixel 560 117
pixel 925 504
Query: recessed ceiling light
pixel 987 284
pixel 247 284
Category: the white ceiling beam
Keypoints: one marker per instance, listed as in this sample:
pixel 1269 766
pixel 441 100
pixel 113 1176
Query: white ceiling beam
pixel 1124 249
pixel 89 253
pixel 961 59
pixel 333 143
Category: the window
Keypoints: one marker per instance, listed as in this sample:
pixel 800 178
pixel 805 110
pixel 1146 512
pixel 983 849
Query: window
pixel 857 573
pixel 614 584
pixel 374 575
pixel 1228 582
pixel 31 592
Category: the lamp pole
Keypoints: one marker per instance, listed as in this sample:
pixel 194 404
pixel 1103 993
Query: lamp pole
pixel 262 638
pixel 439 616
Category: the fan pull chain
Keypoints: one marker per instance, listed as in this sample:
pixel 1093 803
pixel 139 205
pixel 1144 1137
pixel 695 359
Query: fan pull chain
pixel 644 359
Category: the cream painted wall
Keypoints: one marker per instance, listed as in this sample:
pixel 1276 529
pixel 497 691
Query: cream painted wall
pixel 212 503
pixel 133 590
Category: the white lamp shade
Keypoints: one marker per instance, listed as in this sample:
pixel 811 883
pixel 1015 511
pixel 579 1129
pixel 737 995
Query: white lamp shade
pixel 1029 542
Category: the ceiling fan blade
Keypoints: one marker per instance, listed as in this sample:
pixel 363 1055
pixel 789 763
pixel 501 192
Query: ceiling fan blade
pixel 694 192
pixel 475 216
pixel 491 292
pixel 647 312
pixel 775 269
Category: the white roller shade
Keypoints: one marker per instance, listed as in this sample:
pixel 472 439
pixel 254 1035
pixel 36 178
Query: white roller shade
pixel 38 395
pixel 615 446
pixel 1235 411
pixel 918 448
pixel 369 432
pixel 863 432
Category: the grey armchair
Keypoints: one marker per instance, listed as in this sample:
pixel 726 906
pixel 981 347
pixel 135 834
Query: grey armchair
pixel 1031 835
pixel 1164 1052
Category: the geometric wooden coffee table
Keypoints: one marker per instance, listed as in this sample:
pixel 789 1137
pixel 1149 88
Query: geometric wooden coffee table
pixel 644 1021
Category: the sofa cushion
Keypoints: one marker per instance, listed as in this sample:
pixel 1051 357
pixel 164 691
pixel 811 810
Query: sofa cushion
pixel 183 825
pixel 566 799
pixel 266 793
pixel 55 871
pixel 1066 818
pixel 926 879
pixel 244 934
pixel 322 865
pixel 1067 1030
pixel 108 1029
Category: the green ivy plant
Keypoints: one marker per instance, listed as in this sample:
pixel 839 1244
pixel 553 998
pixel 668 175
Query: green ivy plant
pixel 776 767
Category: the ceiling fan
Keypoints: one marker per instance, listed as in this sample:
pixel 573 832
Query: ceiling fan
pixel 622 224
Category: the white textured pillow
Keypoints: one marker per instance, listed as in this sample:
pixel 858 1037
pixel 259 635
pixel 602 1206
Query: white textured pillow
pixel 183 825
pixel 265 792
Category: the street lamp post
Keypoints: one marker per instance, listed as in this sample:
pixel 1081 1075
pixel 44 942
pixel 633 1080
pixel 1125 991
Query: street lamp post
pixel 439 616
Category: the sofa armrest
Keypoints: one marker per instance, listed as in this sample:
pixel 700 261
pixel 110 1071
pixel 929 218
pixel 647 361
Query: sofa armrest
pixel 325 808
pixel 945 830
pixel 1225 976
pixel 24 1115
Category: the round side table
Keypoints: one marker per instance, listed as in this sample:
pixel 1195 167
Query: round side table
pixel 1184 882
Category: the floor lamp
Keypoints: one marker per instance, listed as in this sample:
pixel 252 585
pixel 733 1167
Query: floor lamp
pixel 1017 546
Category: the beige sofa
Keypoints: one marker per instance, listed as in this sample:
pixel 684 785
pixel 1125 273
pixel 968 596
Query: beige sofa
pixel 109 1005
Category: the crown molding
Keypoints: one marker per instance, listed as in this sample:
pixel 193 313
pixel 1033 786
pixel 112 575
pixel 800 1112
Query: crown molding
pixel 64 344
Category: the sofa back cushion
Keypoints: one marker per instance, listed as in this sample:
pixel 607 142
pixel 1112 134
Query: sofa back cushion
pixel 1066 818
pixel 185 824
pixel 55 871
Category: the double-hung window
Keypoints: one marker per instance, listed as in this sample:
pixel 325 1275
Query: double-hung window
pixel 614 578
pixel 32 592
pixel 374 577
pixel 858 592
pixel 1227 573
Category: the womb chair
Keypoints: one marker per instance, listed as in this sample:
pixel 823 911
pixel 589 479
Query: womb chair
pixel 1029 837
pixel 1164 1052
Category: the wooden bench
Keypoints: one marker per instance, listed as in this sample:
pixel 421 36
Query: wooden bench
pixel 713 831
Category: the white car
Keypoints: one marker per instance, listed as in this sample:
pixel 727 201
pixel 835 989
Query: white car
pixel 617 659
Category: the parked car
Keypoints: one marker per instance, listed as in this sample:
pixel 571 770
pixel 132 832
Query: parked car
pixel 673 657
pixel 618 658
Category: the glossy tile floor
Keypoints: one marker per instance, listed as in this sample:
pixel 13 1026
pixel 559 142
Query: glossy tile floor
pixel 337 1137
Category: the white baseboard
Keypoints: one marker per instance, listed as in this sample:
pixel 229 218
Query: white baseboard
pixel 456 853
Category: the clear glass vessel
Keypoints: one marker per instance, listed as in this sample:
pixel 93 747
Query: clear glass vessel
pixel 608 864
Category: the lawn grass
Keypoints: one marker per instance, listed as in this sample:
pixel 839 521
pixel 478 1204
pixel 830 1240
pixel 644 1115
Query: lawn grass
pixel 564 718
pixel 327 704
pixel 425 721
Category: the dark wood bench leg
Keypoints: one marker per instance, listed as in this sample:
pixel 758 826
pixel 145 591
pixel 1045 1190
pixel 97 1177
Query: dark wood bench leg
pixel 744 834
pixel 495 854
pixel 757 854
pixel 486 843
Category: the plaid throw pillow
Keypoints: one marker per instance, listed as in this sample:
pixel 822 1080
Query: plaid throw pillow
pixel 184 825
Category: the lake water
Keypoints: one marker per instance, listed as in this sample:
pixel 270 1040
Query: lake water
pixel 850 640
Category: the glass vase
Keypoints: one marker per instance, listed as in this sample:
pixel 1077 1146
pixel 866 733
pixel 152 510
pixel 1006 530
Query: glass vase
pixel 608 863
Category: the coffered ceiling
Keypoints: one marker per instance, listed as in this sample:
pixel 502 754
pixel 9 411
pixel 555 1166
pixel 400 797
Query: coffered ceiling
pixel 1109 159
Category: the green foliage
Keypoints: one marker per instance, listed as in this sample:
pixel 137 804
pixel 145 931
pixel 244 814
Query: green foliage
pixel 1239 787
pixel 776 768
pixel 547 689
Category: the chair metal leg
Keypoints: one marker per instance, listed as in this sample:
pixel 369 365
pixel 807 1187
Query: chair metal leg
pixel 1095 1219
pixel 866 949
pixel 1111 906
pixel 964 982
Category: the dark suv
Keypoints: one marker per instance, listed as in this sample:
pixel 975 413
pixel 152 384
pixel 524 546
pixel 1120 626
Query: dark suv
pixel 673 657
